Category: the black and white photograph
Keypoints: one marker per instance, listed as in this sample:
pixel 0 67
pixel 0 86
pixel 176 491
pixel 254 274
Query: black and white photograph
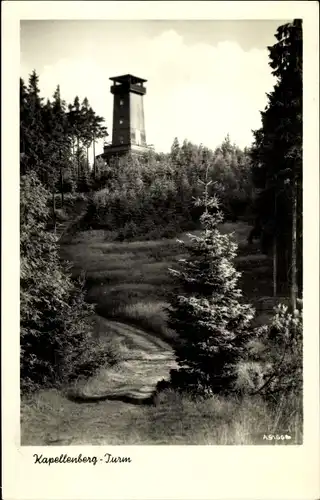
pixel 161 236
pixel 161 232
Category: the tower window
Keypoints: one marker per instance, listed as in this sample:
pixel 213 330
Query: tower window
pixel 121 139
pixel 121 121
pixel 121 102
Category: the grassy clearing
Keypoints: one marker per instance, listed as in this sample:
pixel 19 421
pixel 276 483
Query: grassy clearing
pixel 129 282
pixel 51 419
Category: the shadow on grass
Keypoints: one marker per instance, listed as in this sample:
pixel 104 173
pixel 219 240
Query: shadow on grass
pixel 149 400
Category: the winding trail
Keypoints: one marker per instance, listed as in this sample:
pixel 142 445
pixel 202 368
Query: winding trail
pixel 145 361
pixel 65 228
pixel 97 412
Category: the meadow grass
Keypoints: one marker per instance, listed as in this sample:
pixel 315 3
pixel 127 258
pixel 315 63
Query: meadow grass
pixel 129 282
pixel 49 418
pixel 150 315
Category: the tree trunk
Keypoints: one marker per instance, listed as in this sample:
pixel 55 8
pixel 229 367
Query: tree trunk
pixel 78 158
pixel 61 186
pixel 274 267
pixel 94 158
pixel 294 246
pixel 61 180
pixel 54 209
pixel 299 241
pixel 274 250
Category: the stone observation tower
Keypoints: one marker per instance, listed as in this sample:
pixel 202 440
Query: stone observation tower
pixel 128 131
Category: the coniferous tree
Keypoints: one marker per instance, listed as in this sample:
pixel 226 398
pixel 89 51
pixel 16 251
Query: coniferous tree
pixel 87 115
pixel 175 152
pixel 60 137
pixel 85 126
pixel 75 122
pixel 206 310
pixel 277 160
pixel 32 143
pixel 98 131
pixel 56 344
pixel 24 125
pixel 78 129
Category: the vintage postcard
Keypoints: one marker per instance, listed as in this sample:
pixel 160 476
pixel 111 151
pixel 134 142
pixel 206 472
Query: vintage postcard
pixel 160 250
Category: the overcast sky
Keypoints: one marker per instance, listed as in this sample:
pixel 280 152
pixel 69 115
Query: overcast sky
pixel 205 78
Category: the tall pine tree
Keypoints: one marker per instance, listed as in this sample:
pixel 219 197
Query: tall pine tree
pixel 277 160
pixel 32 142
pixel 206 310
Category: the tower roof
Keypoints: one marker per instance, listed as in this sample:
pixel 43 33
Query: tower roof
pixel 127 79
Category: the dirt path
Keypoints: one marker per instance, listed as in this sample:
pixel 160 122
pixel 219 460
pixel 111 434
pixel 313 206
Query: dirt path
pixel 101 413
pixel 145 361
pixel 74 216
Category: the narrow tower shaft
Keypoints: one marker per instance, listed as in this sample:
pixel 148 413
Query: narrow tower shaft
pixel 128 113
pixel 128 130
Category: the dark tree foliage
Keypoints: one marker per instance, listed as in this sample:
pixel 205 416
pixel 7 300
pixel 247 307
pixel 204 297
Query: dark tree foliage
pixel 207 312
pixel 56 341
pixel 32 140
pixel 55 334
pixel 153 196
pixel 55 137
pixel 277 156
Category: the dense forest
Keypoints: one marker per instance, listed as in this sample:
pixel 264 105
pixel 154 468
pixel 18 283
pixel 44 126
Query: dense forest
pixel 131 194
pixel 55 138
pixel 159 196
pixel 153 196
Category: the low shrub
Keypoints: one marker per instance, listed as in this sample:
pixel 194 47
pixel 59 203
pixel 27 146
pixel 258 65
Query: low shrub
pixel 82 353
pixel 250 376
pixel 283 343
